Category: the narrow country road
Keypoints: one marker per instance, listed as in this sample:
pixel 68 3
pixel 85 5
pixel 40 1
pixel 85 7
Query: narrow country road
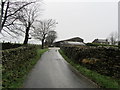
pixel 52 71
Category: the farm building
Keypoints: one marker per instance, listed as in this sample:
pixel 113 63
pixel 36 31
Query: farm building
pixel 101 41
pixel 72 41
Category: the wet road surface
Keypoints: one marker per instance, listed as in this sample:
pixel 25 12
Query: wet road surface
pixel 52 71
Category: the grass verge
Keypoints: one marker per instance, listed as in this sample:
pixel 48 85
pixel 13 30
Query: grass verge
pixel 18 83
pixel 101 80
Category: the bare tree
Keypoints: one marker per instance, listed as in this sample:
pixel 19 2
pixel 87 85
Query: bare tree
pixel 28 17
pixel 52 35
pixel 113 38
pixel 9 10
pixel 44 27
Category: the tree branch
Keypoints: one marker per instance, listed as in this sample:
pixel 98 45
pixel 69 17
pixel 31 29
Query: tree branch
pixel 19 9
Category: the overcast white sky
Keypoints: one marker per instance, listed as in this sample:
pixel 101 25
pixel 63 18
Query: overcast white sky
pixel 87 19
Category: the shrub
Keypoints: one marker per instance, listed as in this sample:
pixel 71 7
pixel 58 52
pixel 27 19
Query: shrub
pixel 102 45
pixel 9 45
pixel 14 61
pixel 104 60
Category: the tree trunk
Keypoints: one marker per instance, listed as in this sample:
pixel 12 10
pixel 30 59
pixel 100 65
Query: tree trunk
pixel 42 44
pixel 2 8
pixel 2 23
pixel 43 41
pixel 26 35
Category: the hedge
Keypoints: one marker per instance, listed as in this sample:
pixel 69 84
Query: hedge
pixel 9 45
pixel 14 61
pixel 98 44
pixel 104 60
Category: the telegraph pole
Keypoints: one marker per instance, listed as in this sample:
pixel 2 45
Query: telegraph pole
pixel 119 23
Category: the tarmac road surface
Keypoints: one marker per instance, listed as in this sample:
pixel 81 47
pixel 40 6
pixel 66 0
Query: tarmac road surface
pixel 52 71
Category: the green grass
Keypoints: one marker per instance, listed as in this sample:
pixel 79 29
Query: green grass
pixel 18 83
pixel 101 80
